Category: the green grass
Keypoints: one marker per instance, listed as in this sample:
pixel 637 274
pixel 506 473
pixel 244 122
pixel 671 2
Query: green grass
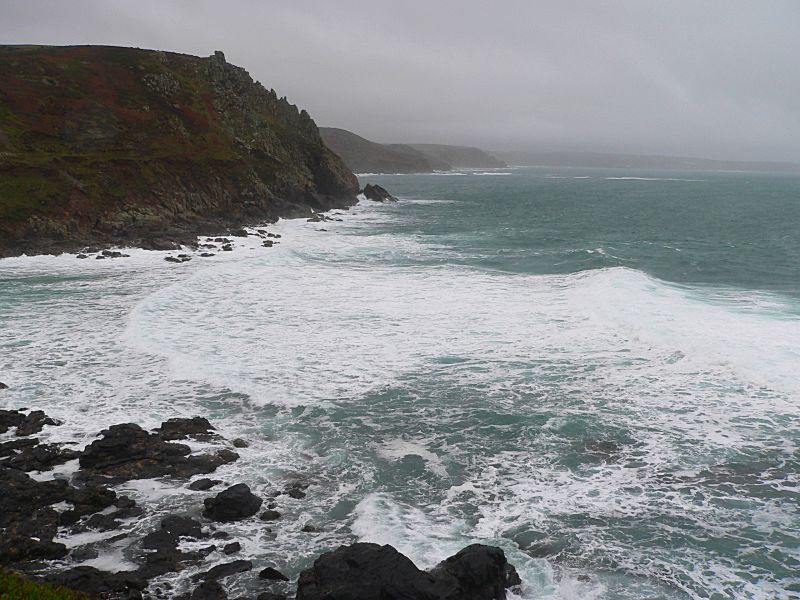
pixel 14 587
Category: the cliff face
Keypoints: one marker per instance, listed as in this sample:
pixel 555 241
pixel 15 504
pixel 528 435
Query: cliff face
pixel 120 145
pixel 364 156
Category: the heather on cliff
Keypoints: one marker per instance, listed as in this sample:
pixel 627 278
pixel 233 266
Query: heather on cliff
pixel 117 145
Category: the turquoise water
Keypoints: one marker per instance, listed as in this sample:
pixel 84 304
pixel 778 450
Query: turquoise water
pixel 595 370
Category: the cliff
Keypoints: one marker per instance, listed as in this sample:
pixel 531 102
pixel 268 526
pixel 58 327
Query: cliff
pixel 121 145
pixel 365 156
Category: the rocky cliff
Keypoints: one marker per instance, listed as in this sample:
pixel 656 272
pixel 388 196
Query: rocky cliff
pixel 365 156
pixel 121 145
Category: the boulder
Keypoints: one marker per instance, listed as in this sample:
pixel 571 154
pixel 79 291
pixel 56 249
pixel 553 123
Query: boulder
pixel 477 572
pixel 368 571
pixel 203 484
pixel 377 194
pixel 232 548
pixel 34 422
pixel 234 504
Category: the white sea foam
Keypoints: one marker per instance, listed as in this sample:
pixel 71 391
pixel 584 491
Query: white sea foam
pixel 257 338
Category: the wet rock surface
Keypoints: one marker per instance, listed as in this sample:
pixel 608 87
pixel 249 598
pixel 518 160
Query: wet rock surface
pixel 34 512
pixel 367 571
pixel 234 504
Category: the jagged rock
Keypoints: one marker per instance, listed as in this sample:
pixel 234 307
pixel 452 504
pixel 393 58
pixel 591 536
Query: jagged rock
pixel 99 584
pixel 203 484
pixel 81 256
pixel 240 443
pixel 368 571
pixel 86 501
pixel 238 233
pixel 10 418
pixel 377 194
pixel 225 570
pixel 180 428
pixel 272 574
pixel 41 457
pixel 127 451
pixel 270 515
pixel 233 504
pixel 19 548
pixel 34 422
pixel 267 243
pixel 207 254
pixel 3 386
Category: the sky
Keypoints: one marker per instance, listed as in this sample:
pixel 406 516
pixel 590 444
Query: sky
pixel 716 79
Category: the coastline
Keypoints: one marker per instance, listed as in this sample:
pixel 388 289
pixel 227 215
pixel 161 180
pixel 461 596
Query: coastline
pixel 87 524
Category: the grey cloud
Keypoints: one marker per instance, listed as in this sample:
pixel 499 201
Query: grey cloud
pixel 715 79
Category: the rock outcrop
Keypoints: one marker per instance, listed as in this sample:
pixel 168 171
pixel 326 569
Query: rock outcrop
pixel 106 145
pixel 377 194
pixel 367 571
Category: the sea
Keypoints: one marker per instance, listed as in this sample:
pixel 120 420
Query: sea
pixel 596 370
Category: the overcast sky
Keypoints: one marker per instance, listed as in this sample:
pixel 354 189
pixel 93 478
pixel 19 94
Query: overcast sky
pixel 718 79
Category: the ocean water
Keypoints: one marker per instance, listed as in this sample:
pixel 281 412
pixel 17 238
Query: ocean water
pixel 598 371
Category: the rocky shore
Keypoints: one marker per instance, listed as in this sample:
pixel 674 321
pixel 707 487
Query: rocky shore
pixel 55 493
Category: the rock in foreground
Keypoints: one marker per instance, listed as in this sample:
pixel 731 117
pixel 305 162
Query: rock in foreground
pixel 369 571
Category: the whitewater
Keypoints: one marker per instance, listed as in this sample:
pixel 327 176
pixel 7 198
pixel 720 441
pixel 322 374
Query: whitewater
pixel 595 371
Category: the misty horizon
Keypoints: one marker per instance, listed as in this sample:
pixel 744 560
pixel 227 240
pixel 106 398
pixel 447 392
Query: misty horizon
pixel 713 81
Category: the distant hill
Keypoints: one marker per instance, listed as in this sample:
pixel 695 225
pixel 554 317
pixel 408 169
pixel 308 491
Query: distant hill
pixel 633 161
pixel 460 157
pixel 365 156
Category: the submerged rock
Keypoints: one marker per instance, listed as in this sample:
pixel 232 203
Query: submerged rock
pixel 272 574
pixel 368 571
pixel 377 194
pixel 234 504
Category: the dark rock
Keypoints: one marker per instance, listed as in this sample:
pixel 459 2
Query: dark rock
pixel 225 570
pixel 16 447
pixel 42 457
pixel 240 443
pixel 209 590
pixel 220 535
pixel 231 548
pixel 203 484
pixel 309 529
pixel 207 254
pixel 126 452
pixel 270 515
pixel 377 194
pixel 364 572
pixel 17 548
pixel 81 256
pixel 158 244
pixel 267 243
pixel 233 504
pixel 113 254
pixel 222 240
pixel 295 491
pixel 368 571
pixel 182 526
pixel 238 233
pixel 181 428
pixel 227 248
pixel 99 584
pixel 172 259
pixel 3 386
pixel 34 422
pixel 478 571
pixel 100 257
pixel 270 596
pixel 272 574
pixel 274 235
